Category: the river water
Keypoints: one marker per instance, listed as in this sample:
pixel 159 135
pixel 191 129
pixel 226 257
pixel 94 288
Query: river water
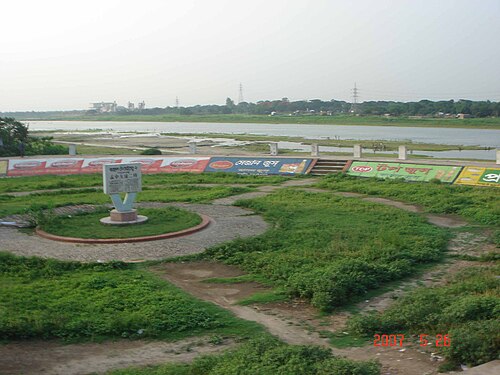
pixel 488 138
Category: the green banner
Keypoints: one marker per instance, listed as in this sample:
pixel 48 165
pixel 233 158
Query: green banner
pixel 408 172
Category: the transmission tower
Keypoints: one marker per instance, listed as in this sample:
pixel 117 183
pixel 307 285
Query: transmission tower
pixel 355 96
pixel 240 95
pixel 176 102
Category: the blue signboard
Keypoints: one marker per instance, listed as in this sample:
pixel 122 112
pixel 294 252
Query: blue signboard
pixel 260 166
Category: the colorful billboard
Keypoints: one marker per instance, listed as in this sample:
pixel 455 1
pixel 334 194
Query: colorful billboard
pixel 259 166
pixel 61 166
pixel 479 176
pixel 408 172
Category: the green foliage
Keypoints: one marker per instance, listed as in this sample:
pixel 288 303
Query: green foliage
pixel 151 151
pixel 467 309
pixel 266 356
pixel 149 180
pixel 176 193
pixel 87 225
pixel 15 141
pixel 51 299
pixel 329 249
pixel 12 134
pixel 44 146
pixel 479 204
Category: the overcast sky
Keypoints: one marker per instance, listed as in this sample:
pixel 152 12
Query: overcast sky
pixel 57 55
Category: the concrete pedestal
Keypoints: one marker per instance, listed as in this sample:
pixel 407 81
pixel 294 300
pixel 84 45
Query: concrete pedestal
pixel 121 218
pixel 357 151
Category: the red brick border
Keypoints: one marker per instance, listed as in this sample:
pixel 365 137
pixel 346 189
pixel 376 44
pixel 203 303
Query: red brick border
pixel 205 221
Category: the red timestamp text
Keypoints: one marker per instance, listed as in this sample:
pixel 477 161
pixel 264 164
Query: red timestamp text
pixel 440 340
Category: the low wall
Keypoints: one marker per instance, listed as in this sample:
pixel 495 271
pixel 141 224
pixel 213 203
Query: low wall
pixel 424 171
pixel 156 164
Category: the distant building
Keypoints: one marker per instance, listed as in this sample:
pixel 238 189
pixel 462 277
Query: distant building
pixel 141 105
pixel 104 107
pixel 461 116
pixel 130 106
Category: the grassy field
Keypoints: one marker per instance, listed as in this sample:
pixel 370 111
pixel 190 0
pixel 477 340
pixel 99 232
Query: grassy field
pixel 51 299
pixel 14 184
pixel 178 193
pixel 476 123
pixel 87 225
pixel 477 204
pixel 329 249
pixel 467 309
pixel 95 150
pixel 265 356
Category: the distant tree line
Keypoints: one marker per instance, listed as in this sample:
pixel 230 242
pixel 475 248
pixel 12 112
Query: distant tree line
pixel 300 107
pixel 316 106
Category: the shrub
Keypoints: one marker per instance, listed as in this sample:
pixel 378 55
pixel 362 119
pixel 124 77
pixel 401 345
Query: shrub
pixel 474 343
pixel 151 151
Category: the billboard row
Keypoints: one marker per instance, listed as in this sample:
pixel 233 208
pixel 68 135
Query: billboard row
pixel 60 166
pixel 259 166
pixel 64 166
pixel 408 172
pixel 479 176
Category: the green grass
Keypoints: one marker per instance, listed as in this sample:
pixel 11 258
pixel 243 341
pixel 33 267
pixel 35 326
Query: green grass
pixel 178 193
pixel 341 340
pixel 476 123
pixel 276 295
pixel 43 298
pixel 478 204
pixel 87 225
pixel 265 356
pixel 467 309
pixel 95 180
pixel 330 249
pixel 103 150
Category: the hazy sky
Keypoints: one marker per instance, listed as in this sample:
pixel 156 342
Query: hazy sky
pixel 65 54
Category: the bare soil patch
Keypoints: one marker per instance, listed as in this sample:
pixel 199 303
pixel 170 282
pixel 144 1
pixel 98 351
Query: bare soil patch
pixel 54 358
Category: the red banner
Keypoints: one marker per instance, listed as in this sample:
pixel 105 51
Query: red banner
pixel 62 166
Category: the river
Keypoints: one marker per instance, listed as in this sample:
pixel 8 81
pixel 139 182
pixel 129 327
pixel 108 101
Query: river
pixel 488 138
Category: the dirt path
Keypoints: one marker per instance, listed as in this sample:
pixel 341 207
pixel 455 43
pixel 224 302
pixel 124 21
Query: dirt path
pixel 292 322
pixel 52 358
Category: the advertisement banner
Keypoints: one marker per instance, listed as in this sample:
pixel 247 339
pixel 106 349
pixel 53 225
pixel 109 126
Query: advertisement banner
pixel 479 176
pixel 61 166
pixel 408 172
pixel 259 166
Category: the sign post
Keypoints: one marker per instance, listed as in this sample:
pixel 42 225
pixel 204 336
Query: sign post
pixel 122 178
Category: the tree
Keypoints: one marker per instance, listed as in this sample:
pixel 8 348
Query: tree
pixel 15 141
pixel 13 134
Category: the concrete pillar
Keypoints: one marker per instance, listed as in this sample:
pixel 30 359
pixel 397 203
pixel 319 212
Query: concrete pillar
pixel 402 152
pixel 273 148
pixel 498 156
pixel 315 150
pixel 192 147
pixel 72 149
pixel 357 151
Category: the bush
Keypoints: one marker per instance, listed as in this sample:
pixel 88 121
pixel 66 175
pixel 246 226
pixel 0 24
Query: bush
pixel 475 342
pixel 44 298
pixel 151 151
pixel 329 249
pixel 467 309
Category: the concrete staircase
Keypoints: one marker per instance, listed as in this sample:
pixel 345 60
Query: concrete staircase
pixel 326 166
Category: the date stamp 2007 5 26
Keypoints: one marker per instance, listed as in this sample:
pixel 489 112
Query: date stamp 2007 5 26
pixel 398 340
